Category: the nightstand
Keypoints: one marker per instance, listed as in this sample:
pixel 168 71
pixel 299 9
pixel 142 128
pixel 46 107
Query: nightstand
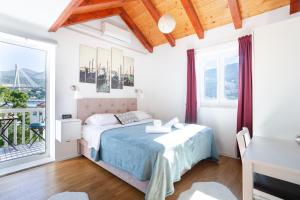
pixel 68 129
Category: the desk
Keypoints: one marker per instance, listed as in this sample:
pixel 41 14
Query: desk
pixel 5 122
pixel 272 157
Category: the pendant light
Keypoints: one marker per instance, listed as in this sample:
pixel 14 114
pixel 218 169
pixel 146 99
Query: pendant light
pixel 166 23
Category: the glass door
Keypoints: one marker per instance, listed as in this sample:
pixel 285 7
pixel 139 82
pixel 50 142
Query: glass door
pixel 23 94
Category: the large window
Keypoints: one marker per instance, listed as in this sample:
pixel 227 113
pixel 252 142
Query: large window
pixel 217 75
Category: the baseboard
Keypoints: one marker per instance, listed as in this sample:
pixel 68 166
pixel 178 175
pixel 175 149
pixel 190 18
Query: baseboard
pixel 67 157
pixel 230 156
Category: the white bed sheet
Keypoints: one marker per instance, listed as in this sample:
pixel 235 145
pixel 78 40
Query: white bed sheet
pixel 92 133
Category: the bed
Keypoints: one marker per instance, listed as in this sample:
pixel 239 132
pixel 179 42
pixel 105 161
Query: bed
pixel 149 162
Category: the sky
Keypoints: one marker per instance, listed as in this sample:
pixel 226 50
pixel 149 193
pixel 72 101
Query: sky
pixel 24 57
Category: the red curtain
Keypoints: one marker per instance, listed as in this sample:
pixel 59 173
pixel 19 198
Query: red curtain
pixel 244 115
pixel 191 96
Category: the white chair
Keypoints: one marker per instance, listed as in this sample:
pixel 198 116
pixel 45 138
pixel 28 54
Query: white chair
pixel 264 184
pixel 244 133
pixel 246 136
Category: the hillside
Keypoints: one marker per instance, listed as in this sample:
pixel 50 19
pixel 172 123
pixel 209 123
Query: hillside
pixel 26 77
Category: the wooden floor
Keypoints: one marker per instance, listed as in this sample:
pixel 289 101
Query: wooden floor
pixel 82 175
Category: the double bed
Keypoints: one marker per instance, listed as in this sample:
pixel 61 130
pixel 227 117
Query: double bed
pixel 149 162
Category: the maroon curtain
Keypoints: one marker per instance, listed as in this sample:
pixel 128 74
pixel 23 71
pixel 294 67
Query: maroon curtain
pixel 191 96
pixel 244 114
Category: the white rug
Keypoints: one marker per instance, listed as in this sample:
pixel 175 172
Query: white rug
pixel 207 191
pixel 70 196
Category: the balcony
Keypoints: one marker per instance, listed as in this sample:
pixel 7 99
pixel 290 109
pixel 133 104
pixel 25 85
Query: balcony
pixel 20 134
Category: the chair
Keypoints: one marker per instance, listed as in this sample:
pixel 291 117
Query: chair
pixel 246 136
pixel 266 187
pixel 38 130
pixel 241 140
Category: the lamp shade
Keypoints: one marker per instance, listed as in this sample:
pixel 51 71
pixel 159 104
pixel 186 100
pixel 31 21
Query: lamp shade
pixel 166 23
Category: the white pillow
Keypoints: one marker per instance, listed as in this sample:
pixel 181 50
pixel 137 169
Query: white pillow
pixel 101 119
pixel 141 115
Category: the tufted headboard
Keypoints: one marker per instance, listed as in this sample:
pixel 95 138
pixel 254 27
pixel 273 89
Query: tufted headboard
pixel 89 106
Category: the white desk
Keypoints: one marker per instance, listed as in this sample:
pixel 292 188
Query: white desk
pixel 272 157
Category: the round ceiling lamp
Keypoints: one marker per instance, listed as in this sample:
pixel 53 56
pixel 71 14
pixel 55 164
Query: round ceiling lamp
pixel 166 23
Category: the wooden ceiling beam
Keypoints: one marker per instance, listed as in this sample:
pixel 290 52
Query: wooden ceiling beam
pixel 88 6
pixel 81 18
pixel 93 2
pixel 235 13
pixel 155 15
pixel 136 31
pixel 65 15
pixel 192 14
pixel 294 6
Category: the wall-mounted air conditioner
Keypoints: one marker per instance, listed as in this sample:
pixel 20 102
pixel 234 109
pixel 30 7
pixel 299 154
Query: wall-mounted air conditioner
pixel 116 32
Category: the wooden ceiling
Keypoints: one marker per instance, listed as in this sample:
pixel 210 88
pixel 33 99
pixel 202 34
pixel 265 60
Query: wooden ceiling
pixel 192 16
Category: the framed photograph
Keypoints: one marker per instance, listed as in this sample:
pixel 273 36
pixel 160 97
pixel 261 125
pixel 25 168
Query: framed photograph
pixel 103 70
pixel 87 64
pixel 117 74
pixel 128 71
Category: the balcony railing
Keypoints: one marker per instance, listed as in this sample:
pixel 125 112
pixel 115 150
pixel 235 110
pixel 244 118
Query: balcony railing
pixel 19 131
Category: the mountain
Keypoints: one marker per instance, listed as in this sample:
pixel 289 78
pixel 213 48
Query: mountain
pixel 39 75
pixel 232 72
pixel 28 78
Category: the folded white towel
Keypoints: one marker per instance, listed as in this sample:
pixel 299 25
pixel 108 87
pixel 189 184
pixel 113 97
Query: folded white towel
pixel 158 129
pixel 172 122
pixel 179 126
pixel 157 122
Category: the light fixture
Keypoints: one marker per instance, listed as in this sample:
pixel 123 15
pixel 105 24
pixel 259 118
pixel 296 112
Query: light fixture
pixel 75 89
pixel 298 139
pixel 166 23
pixel 139 93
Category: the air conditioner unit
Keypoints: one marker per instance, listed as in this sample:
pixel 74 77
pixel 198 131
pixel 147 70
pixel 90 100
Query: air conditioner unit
pixel 116 32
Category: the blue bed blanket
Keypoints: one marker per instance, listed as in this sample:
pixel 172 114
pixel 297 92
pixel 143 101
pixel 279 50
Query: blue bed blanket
pixel 160 158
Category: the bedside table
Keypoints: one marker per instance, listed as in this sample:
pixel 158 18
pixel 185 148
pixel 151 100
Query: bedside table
pixel 68 129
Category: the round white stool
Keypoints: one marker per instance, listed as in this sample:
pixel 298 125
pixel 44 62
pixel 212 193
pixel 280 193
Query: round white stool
pixel 70 196
pixel 207 191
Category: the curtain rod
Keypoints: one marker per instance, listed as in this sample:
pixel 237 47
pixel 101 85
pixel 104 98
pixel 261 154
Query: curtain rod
pixel 224 41
pixel 215 44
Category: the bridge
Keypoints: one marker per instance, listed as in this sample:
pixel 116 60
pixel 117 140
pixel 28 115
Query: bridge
pixel 17 84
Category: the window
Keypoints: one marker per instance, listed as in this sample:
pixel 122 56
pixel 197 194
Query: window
pixel 210 79
pixel 231 77
pixel 218 75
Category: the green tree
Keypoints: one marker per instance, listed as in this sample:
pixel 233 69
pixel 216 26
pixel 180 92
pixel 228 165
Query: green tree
pixel 17 98
pixel 4 96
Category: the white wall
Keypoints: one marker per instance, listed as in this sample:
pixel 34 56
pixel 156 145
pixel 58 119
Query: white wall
pixel 166 85
pixel 67 74
pixel 277 80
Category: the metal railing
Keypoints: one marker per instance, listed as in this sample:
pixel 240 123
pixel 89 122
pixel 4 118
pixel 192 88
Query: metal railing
pixel 19 131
